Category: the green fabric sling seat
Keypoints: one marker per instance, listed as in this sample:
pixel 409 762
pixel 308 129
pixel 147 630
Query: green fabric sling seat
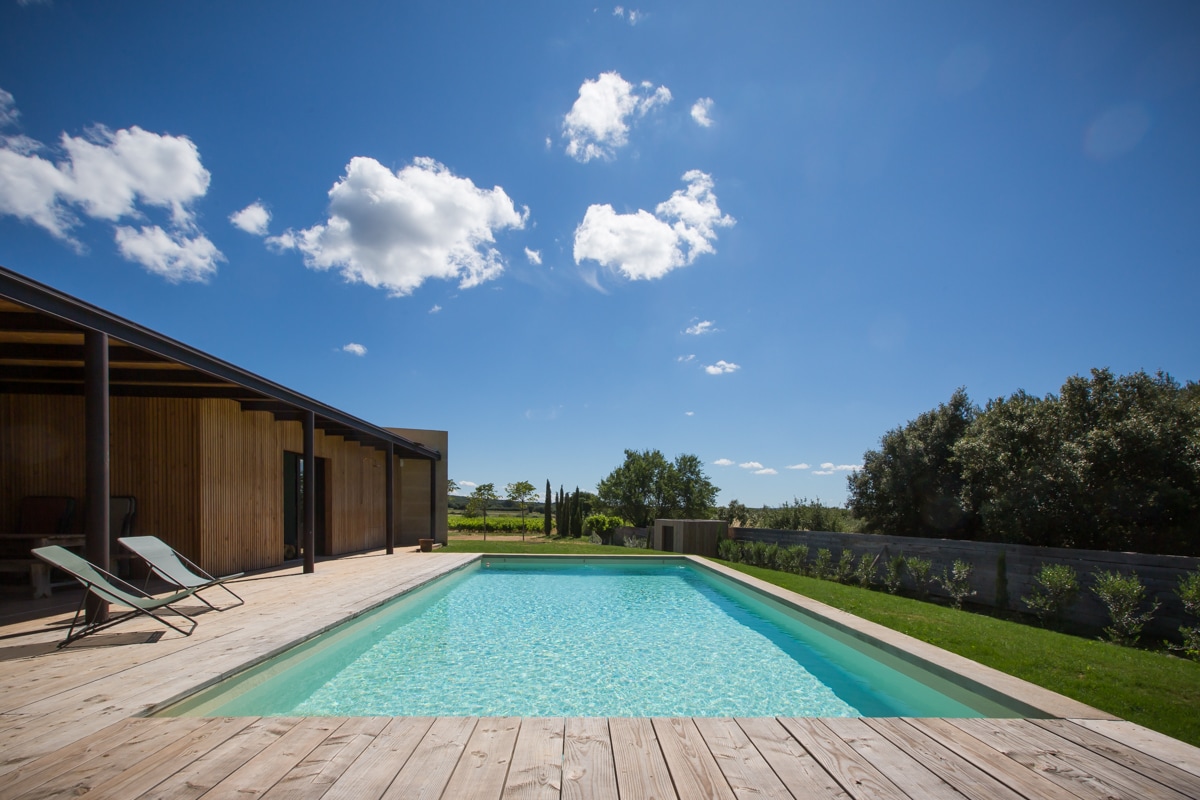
pixel 110 588
pixel 176 569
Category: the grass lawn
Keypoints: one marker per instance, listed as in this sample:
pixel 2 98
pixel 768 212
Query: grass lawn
pixel 1150 688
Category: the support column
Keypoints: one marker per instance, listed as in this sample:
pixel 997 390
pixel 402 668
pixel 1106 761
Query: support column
pixel 96 425
pixel 390 477
pixel 310 492
pixel 433 489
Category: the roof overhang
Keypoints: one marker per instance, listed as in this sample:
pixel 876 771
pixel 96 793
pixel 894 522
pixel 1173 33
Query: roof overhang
pixel 42 335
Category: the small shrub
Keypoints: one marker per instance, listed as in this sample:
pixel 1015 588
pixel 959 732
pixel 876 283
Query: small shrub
pixel 918 570
pixel 800 555
pixel 638 542
pixel 957 582
pixel 757 555
pixel 1123 595
pixel 770 557
pixel 1189 593
pixel 864 573
pixel 727 550
pixel 823 564
pixel 787 560
pixel 893 573
pixel 1057 586
pixel 844 571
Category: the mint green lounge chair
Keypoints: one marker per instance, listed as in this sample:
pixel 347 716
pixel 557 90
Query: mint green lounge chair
pixel 176 569
pixel 110 588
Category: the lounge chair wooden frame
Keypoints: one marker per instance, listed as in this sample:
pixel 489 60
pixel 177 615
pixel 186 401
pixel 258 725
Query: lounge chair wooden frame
pixel 176 569
pixel 112 589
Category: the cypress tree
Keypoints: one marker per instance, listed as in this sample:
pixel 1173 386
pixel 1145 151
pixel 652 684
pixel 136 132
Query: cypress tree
pixel 559 518
pixel 576 516
pixel 546 522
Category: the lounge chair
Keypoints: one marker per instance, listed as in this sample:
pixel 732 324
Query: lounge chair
pixel 112 589
pixel 176 569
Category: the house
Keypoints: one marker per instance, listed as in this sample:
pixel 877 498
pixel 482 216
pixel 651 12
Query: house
pixel 94 406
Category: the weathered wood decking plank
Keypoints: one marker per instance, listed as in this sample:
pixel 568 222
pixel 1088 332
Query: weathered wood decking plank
pixel 312 777
pixel 947 765
pixel 537 763
pixel 798 770
pixel 908 773
pixel 588 770
pixel 856 774
pixel 1174 752
pixel 483 768
pixel 273 762
pixel 373 771
pixel 747 772
pixel 694 771
pixel 642 772
pixel 428 770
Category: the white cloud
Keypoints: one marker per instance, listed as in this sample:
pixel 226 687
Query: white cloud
pixel 175 256
pixel 633 16
pixel 689 413
pixel 254 218
pixel 700 328
pixel 687 358
pixel 436 308
pixel 598 122
pixel 822 472
pixel 750 465
pixel 829 468
pixel 396 230
pixel 111 176
pixel 766 471
pixel 534 256
pixel 646 246
pixel 700 111
pixel 467 485
pixel 723 462
pixel 354 348
pixel 722 367
pixel 797 466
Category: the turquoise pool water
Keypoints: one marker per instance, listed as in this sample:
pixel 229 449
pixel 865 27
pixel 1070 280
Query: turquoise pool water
pixel 531 637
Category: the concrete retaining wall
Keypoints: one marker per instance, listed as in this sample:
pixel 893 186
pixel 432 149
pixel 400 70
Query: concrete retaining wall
pixel 1003 573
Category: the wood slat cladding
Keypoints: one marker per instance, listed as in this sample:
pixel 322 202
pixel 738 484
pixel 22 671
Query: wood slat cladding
pixel 208 476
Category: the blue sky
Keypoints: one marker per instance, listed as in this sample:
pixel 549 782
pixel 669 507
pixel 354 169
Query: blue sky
pixel 761 233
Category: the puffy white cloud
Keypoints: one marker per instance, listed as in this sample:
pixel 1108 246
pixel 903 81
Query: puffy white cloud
pixel 254 218
pixel 687 358
pixel 829 468
pixel 700 328
pixel 112 175
pixel 723 462
pixel 436 308
pixel 175 256
pixel 797 466
pixel 700 110
pixel 750 465
pixel 598 122
pixel 633 16
pixel 534 256
pixel 646 246
pixel 766 471
pixel 689 413
pixel 395 230
pixel 822 472
pixel 722 367
pixel 354 348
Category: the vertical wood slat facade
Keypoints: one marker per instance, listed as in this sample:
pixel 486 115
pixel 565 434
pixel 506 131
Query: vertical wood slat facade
pixel 208 477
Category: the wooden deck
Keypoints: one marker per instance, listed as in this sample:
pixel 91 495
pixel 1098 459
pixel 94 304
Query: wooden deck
pixel 70 725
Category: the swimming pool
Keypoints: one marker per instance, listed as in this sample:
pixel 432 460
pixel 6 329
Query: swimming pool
pixel 539 636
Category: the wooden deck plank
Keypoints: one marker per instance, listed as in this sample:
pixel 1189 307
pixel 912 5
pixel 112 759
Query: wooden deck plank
pixel 483 768
pixel 369 775
pixel 270 764
pixel 964 776
pixel 856 775
pixel 908 773
pixel 1174 752
pixel 428 771
pixel 144 772
pixel 588 770
pixel 312 777
pixel 1018 777
pixel 1054 757
pixel 746 771
pixel 1153 768
pixel 536 770
pixel 27 772
pixel 642 773
pixel 196 778
pixel 798 770
pixel 694 771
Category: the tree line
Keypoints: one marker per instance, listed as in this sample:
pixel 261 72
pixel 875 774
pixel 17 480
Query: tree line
pixel 1109 463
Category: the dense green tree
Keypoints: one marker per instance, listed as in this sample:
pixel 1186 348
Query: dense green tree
pixel 520 493
pixel 911 486
pixel 479 501
pixel 648 487
pixel 547 521
pixel 451 486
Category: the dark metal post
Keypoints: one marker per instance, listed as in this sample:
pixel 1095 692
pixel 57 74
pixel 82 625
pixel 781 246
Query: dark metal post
pixel 96 422
pixel 433 488
pixel 310 492
pixel 390 526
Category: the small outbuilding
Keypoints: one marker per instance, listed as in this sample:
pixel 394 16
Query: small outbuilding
pixel 692 536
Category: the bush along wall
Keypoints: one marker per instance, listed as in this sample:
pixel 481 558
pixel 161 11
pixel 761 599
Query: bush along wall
pixel 994 575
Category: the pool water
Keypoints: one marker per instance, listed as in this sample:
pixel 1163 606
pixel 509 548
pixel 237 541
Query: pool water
pixel 531 637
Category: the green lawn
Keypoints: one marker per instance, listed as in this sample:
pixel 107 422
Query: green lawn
pixel 1150 688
